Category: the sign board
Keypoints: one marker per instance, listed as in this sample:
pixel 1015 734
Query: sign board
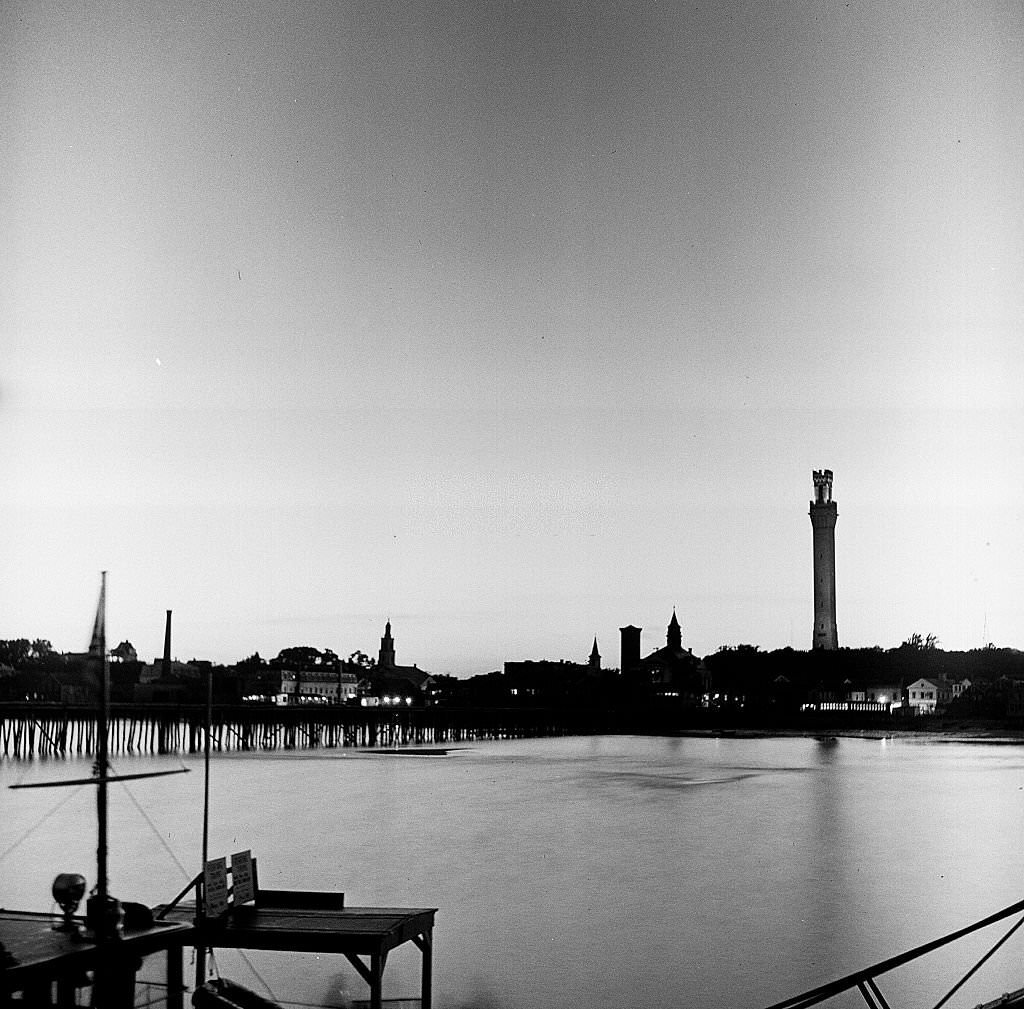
pixel 215 883
pixel 242 884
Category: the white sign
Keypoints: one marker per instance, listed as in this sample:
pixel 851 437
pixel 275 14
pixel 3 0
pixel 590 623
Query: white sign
pixel 242 883
pixel 215 883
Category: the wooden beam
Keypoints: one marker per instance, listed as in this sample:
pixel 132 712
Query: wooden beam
pixel 364 971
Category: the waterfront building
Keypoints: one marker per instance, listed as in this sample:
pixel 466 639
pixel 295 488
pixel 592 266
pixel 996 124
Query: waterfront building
pixel 260 684
pixel 823 522
pixel 166 679
pixel 874 697
pixel 1015 699
pixel 890 694
pixel 928 695
pixel 390 683
pixel 547 681
pixel 318 685
pixel 673 671
pixel 124 652
pixel 159 671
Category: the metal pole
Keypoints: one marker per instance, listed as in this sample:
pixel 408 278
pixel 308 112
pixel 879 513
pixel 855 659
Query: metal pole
pixel 206 767
pixel 201 901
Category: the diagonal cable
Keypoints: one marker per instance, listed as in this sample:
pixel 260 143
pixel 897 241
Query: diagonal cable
pixel 31 830
pixel 259 976
pixel 153 827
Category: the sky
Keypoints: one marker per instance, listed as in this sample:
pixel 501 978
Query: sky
pixel 514 323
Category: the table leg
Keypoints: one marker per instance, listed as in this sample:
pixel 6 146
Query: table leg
pixel 175 977
pixel 426 945
pixel 113 981
pixel 376 981
pixel 66 989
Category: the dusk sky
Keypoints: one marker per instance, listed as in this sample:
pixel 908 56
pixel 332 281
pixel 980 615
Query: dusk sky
pixel 513 322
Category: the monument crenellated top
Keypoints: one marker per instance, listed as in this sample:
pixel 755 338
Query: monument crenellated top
pixel 822 486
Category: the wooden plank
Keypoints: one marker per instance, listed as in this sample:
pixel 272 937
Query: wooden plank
pixel 352 930
pixel 364 971
pixel 311 900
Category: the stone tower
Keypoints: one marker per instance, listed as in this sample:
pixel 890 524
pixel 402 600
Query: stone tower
pixel 595 657
pixel 630 648
pixel 823 522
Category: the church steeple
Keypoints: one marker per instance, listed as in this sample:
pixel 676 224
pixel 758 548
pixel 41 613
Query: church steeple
pixel 595 656
pixel 386 656
pixel 674 637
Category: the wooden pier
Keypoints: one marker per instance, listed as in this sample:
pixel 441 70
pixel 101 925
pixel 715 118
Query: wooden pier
pixel 46 968
pixel 30 731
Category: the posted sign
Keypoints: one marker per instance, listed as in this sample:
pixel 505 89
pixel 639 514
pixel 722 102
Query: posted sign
pixel 215 883
pixel 243 886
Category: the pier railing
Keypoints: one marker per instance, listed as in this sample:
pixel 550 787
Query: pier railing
pixel 865 981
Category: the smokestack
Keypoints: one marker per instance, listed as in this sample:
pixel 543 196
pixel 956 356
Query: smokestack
pixel 165 670
pixel 630 648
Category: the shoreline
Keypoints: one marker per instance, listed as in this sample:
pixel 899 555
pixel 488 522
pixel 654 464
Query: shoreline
pixel 958 733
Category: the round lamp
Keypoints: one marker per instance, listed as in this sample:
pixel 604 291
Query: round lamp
pixel 68 890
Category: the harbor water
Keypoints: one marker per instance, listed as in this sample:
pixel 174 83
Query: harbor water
pixel 590 872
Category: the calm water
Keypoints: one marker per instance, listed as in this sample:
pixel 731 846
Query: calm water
pixel 589 872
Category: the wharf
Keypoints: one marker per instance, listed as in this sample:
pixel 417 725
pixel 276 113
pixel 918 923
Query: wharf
pixel 46 966
pixel 37 729
pixel 352 932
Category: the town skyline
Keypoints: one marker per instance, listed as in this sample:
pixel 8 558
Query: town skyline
pixel 515 328
pixel 607 659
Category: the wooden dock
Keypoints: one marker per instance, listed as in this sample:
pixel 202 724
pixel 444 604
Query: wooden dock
pixel 47 967
pixel 352 932
pixel 244 915
pixel 31 730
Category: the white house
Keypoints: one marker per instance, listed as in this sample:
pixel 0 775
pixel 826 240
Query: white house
pixel 925 696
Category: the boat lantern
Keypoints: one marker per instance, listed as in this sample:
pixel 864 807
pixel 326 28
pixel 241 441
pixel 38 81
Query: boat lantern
pixel 68 890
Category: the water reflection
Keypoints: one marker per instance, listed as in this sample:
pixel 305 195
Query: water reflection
pixel 596 872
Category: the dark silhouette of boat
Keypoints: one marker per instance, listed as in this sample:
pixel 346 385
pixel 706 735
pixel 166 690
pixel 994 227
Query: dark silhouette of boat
pixel 220 993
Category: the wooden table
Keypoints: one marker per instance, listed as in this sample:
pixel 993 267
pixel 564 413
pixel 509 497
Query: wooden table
pixel 38 958
pixel 353 932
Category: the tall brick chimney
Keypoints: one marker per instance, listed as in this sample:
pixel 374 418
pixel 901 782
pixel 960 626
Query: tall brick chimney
pixel 165 669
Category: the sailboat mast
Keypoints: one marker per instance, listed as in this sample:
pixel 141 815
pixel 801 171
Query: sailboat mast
pixel 99 643
pixel 206 767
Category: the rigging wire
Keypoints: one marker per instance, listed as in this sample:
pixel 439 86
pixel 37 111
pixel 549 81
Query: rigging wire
pixel 315 1005
pixel 153 827
pixel 31 830
pixel 215 970
pixel 259 976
